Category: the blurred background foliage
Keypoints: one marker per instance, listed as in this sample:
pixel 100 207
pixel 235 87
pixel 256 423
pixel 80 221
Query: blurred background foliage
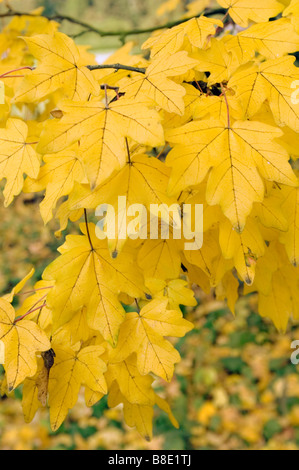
pixel 235 387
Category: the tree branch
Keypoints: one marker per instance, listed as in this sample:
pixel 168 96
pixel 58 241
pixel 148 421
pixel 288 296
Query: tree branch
pixel 88 28
pixel 116 67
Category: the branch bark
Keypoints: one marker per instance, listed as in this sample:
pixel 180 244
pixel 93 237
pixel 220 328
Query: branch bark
pixel 116 67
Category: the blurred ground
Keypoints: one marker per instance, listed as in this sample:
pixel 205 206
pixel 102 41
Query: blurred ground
pixel 235 387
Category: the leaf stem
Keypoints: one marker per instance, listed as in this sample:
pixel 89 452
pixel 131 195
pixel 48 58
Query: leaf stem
pixel 87 230
pixel 6 74
pixel 227 106
pixel 33 309
pixel 34 290
pixel 128 150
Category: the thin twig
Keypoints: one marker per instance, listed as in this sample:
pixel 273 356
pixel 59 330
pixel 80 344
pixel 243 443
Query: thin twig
pixel 116 67
pixel 88 28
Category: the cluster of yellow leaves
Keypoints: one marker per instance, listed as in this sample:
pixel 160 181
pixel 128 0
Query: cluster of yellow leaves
pixel 234 387
pixel 209 117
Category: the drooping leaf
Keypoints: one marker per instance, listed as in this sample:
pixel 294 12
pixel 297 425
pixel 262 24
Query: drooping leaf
pixel 60 66
pixel 71 370
pixel 243 10
pixel 17 157
pixel 101 130
pixel 22 340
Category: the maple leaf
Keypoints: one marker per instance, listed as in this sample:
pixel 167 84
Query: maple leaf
pixel 198 30
pixel 215 60
pixel 226 100
pixel 233 183
pixel 36 303
pixel 101 129
pixel 139 416
pixel 293 11
pixel 30 401
pixel 277 304
pixel 271 40
pixel 290 238
pixel 142 179
pixel 60 66
pixel 243 10
pixel 16 289
pixel 270 81
pixel 17 157
pixel 207 257
pixel 155 84
pixel 72 369
pixel 135 414
pixel 57 176
pixel 245 248
pixel 143 333
pixel 92 279
pixel 135 387
pixel 160 258
pixel 276 281
pixel 175 290
pixel 22 340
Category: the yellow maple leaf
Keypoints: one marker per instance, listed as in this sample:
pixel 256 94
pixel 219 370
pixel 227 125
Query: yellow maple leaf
pixel 245 248
pixel 142 179
pixel 16 289
pixel 241 11
pixel 207 258
pixel 293 12
pixel 197 30
pixel 22 340
pixel 144 333
pixel 17 157
pixel 290 238
pixel 100 129
pixel 57 176
pixel 36 302
pixel 276 305
pixel 156 85
pixel 60 66
pixel 72 369
pixel 233 183
pixel 160 258
pixel 135 387
pixel 91 278
pixel 271 81
pixel 175 290
pixel 273 39
pixel 139 416
pixel 215 60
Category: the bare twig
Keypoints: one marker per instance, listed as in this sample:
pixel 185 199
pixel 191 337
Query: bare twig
pixel 88 28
